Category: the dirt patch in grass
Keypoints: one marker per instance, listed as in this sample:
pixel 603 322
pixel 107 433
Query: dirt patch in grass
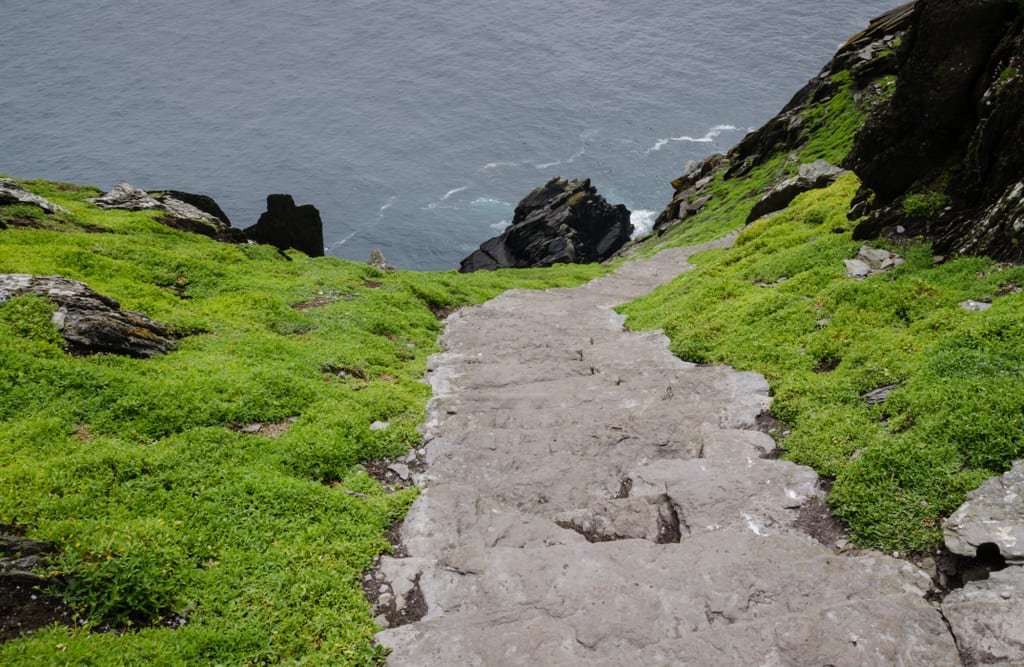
pixel 816 520
pixel 24 609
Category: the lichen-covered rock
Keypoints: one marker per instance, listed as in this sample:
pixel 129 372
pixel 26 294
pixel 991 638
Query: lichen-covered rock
pixel 188 212
pixel 91 322
pixel 12 193
pixel 560 222
pixel 992 514
pixel 285 225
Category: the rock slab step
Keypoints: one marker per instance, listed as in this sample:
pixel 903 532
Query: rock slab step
pixel 593 500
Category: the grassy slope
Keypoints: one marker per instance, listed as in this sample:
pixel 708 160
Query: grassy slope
pixel 135 469
pixel 823 340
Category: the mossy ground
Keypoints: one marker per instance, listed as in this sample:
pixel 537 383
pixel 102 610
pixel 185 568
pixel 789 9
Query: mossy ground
pixel 136 469
pixel 779 302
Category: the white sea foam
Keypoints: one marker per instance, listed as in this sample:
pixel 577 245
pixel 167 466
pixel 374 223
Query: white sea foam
pixel 448 195
pixel 707 138
pixel 500 225
pixel 496 165
pixel 643 222
pixel 389 204
pixel 488 201
pixel 454 191
pixel 341 242
pixel 546 165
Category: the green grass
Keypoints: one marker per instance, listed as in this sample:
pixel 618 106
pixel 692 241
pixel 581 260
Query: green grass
pixel 136 469
pixel 823 340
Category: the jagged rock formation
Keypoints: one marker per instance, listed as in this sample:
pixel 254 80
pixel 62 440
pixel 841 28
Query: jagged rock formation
pixel 91 322
pixel 285 225
pixel 945 157
pixel 12 193
pixel 562 221
pixel 188 212
pixel 689 198
pixel 593 500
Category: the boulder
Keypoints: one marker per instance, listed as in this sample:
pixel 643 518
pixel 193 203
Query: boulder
pixel 811 176
pixel 992 514
pixel 91 322
pixel 285 225
pixel 12 193
pixel 563 221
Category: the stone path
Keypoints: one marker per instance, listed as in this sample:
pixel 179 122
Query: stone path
pixel 591 499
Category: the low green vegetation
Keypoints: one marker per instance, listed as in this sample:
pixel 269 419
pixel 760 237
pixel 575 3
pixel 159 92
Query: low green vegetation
pixel 829 127
pixel 779 302
pixel 165 512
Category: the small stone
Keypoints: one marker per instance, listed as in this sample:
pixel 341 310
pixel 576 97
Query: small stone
pixel 401 470
pixel 252 428
pixel 384 588
pixel 980 306
pixel 379 426
pixel 900 229
pixel 880 395
pixel 382 621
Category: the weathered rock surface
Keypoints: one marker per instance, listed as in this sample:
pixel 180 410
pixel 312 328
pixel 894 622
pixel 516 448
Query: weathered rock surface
pixel 987 618
pixel 91 322
pixel 285 225
pixel 12 193
pixel 812 176
pixel 186 211
pixel 591 499
pixel 992 514
pixel 563 221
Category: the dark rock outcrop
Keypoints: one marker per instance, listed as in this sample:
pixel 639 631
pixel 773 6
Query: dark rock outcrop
pixel 945 157
pixel 563 221
pixel 91 322
pixel 285 225
pixel 813 175
pixel 12 193
pixel 867 56
pixel 185 211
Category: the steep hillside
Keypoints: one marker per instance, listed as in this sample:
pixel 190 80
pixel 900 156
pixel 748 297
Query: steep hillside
pixel 902 387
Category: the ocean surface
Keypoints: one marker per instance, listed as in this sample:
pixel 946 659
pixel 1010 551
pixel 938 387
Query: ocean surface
pixel 414 127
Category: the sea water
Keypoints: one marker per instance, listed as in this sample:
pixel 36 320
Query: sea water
pixel 414 127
